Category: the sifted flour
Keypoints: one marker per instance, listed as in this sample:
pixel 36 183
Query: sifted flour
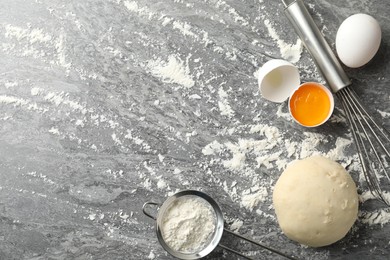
pixel 188 224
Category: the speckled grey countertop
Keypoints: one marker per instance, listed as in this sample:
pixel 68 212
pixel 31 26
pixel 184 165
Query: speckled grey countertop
pixel 106 104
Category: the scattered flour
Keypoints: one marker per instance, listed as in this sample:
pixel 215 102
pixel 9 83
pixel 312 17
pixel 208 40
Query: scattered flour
pixel 338 152
pixel 188 224
pixel 161 183
pixel 365 196
pixel 11 84
pixel 236 225
pixel 35 35
pixel 35 42
pixel 184 28
pixel 172 71
pixel 194 96
pixel 232 12
pixel 252 197
pixel 161 157
pixel 134 7
pixel 36 91
pixel 21 102
pixel 54 131
pixel 151 255
pixel 13 100
pixel 116 140
pixel 376 217
pixel 309 144
pixel 384 114
pixel 281 114
pixel 61 53
pixel 176 171
pixel 42 177
pixel 269 148
pixel 223 104
pixel 79 122
pixel 213 148
pixel 147 184
pixel 62 98
pixel 137 140
pixel 260 149
pixel 290 52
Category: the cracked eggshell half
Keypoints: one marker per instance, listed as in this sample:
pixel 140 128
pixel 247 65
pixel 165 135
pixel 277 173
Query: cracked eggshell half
pixel 277 80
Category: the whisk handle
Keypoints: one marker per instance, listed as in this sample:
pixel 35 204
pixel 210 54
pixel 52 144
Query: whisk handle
pixel 316 44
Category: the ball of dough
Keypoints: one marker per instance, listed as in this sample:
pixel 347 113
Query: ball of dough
pixel 316 201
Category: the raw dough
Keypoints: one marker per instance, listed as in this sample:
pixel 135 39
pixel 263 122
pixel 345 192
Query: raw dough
pixel 316 201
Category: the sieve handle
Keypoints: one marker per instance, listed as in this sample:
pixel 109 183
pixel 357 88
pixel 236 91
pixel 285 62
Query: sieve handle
pixel 255 243
pixel 145 207
pixel 234 252
pixel 315 43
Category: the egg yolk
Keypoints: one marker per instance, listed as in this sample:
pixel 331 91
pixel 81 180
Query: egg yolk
pixel 310 105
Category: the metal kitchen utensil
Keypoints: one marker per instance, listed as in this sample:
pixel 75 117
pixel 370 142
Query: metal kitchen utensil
pixel 216 236
pixel 372 141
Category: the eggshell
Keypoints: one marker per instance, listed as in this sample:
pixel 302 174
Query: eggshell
pixel 358 40
pixel 277 80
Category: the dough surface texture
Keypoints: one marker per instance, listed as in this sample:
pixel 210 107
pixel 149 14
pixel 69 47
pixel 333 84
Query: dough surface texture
pixel 315 201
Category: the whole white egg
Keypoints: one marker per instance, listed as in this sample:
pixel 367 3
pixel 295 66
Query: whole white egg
pixel 358 39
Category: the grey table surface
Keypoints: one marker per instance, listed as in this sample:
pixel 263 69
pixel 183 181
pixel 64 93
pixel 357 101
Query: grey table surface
pixel 107 104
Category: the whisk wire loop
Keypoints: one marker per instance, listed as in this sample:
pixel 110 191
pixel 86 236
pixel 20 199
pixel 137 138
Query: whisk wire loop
pixel 362 151
pixel 381 131
pixel 371 141
pixel 364 116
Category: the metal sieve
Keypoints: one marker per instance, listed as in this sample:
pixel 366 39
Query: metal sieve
pixel 214 238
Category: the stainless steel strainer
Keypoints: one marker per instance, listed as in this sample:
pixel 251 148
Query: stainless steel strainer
pixel 214 238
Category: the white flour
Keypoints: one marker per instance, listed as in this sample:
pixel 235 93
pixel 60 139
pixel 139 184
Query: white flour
pixel 376 217
pixel 232 12
pixel 187 224
pixel 270 148
pixel 223 104
pixel 290 52
pixel 35 42
pixel 172 71
pixel 252 197
pixel 384 114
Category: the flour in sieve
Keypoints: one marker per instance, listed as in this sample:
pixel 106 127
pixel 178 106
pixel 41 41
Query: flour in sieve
pixel 188 224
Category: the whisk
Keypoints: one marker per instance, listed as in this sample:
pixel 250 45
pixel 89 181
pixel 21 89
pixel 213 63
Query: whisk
pixel 372 141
